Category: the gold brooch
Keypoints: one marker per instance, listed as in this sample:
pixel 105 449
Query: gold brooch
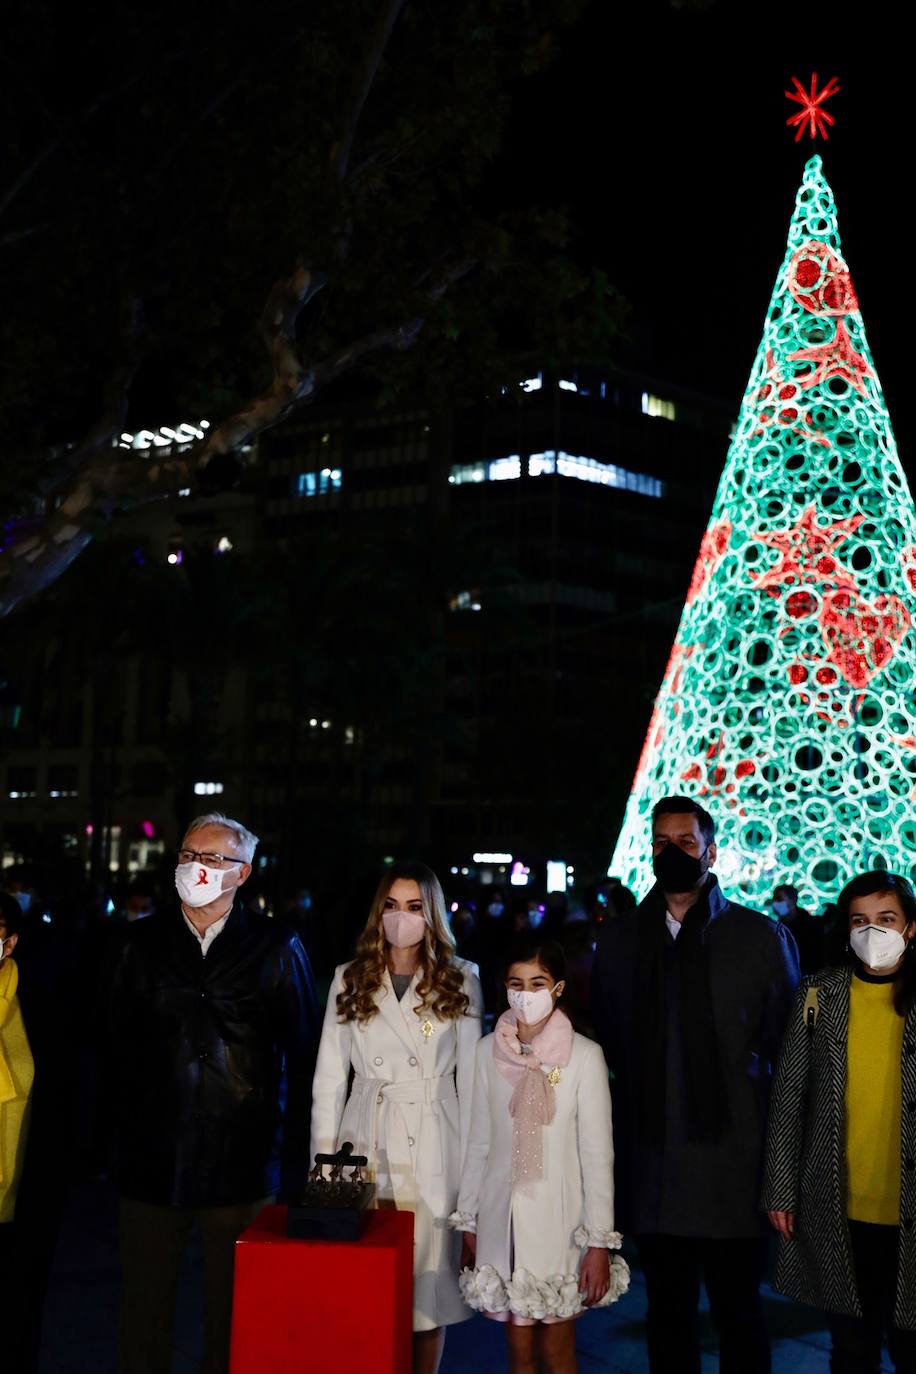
pixel 427 1028
pixel 554 1077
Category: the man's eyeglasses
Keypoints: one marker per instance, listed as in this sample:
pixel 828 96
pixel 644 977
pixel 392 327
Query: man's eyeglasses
pixel 194 856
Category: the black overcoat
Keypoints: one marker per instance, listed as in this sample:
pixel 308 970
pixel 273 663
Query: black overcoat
pixel 806 1153
pixel 684 1187
pixel 211 1058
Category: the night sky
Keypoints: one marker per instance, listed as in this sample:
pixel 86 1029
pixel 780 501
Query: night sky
pixel 664 131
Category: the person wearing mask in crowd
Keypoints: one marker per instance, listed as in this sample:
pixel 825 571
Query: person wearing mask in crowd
pixel 139 902
pixel 404 1018
pixel 18 884
pixel 840 1182
pixel 807 930
pixel 536 1204
pixel 214 1024
pixel 691 995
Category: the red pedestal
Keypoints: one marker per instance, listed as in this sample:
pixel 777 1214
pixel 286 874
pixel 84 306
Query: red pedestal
pixel 310 1306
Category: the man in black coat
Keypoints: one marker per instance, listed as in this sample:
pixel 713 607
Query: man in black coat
pixel 690 996
pixel 214 1023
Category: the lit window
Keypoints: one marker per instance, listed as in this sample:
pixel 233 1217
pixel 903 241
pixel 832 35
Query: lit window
pixel 542 464
pixel 533 383
pixel 556 875
pixel 506 469
pixel 468 472
pixel 564 465
pixel 567 386
pixel 165 436
pixel 176 557
pixel 207 789
pixel 317 483
pixel 224 545
pixel 657 407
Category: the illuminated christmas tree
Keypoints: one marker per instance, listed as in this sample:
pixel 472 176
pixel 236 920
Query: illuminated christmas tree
pixel 788 707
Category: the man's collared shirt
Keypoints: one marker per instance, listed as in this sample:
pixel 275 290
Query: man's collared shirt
pixel 210 934
pixel 673 926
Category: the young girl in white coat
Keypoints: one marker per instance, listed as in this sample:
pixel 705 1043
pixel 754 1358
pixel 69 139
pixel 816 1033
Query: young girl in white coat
pixel 405 1016
pixel 536 1203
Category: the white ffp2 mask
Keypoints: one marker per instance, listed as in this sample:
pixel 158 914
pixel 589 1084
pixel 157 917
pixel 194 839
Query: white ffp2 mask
pixel 877 947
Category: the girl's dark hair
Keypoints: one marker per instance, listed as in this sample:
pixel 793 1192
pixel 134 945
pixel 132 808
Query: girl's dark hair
pixel 530 948
pixel 868 885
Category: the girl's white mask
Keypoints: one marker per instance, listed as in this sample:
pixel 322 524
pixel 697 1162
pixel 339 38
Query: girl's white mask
pixel 531 1007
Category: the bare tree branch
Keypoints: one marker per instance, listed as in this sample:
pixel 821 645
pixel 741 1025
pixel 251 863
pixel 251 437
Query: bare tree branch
pixel 105 478
pixel 363 81
pixel 295 385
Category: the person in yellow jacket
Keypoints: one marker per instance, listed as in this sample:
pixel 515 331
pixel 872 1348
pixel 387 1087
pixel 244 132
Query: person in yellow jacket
pixel 16 1068
pixel 840 1179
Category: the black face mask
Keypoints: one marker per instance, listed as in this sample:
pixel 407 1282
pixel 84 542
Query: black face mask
pixel 676 870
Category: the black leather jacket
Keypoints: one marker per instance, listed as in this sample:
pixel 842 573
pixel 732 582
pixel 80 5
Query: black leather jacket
pixel 212 1058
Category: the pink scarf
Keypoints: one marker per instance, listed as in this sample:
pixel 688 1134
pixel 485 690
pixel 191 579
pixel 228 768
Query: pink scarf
pixel 533 1102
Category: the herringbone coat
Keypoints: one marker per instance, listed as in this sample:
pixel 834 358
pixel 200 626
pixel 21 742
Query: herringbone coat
pixel 806 1153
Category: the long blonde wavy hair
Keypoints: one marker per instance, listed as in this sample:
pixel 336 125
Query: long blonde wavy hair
pixel 440 988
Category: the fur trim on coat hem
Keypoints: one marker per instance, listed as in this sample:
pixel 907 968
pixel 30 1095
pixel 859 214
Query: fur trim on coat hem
pixel 558 1296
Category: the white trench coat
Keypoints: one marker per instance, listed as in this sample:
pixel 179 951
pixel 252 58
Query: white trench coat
pixel 408 1111
pixel 531 1238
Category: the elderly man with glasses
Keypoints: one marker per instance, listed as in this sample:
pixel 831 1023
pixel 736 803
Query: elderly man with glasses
pixel 214 1026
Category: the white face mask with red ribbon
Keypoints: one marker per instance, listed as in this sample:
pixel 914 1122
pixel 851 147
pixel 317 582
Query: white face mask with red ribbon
pixel 197 884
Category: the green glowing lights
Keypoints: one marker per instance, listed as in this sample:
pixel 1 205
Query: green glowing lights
pixel 788 706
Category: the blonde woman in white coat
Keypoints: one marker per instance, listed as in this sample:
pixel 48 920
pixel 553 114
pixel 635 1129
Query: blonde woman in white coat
pixel 405 1016
pixel 536 1203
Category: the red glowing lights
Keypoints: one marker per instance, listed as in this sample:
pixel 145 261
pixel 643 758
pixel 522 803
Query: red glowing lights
pixel 812 114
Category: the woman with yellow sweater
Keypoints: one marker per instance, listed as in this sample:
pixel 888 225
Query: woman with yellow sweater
pixel 16 1069
pixel 840 1185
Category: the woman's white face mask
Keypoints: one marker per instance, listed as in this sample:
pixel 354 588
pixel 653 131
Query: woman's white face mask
pixel 878 947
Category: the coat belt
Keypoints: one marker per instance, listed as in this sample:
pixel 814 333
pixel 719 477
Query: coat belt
pixel 376 1097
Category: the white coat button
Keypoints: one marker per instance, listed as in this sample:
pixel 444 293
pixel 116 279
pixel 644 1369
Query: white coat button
pixel 379 1099
pixel 378 1059
pixel 410 1140
pixel 412 1059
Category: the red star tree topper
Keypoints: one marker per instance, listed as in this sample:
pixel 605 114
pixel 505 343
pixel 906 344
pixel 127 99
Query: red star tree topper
pixel 812 113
